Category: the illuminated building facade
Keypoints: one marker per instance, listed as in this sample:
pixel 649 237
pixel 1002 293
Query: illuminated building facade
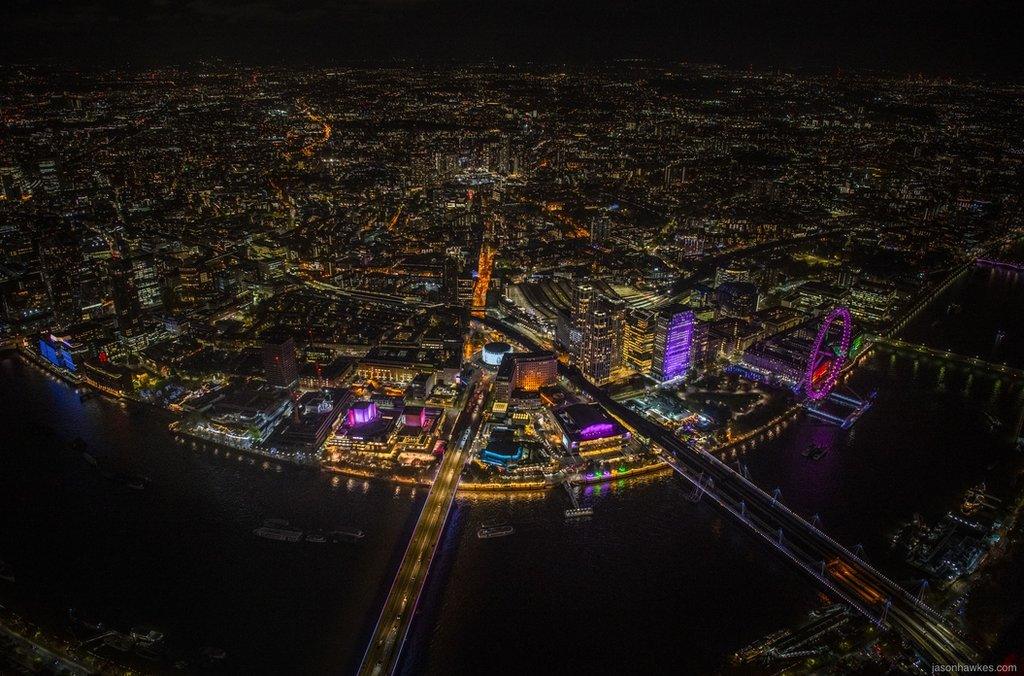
pixel 362 413
pixel 776 359
pixel 401 365
pixel 194 282
pixel 147 283
pixel 61 352
pixel 673 344
pixel 525 373
pixel 493 353
pixel 638 340
pixel 240 414
pixel 587 431
pixel 533 370
pixel 783 356
pixel 104 375
pixel 873 302
pixel 596 353
pixel 410 431
pixel 502 449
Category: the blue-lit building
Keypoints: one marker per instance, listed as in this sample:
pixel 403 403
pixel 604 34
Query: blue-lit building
pixel 673 343
pixel 61 352
pixel 502 448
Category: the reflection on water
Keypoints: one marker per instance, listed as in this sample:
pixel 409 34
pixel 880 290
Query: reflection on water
pixel 180 555
pixel 979 316
pixel 656 575
pixel 675 582
pixel 652 579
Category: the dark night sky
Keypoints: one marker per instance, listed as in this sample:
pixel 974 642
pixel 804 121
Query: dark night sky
pixel 958 37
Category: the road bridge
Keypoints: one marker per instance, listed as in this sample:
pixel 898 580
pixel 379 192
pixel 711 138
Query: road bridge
pixel 389 636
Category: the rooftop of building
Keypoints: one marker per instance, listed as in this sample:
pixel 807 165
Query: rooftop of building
pixel 242 397
pixel 585 422
pixel 403 354
pixel 314 413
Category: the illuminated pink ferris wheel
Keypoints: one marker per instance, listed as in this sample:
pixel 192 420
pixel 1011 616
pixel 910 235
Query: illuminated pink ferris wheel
pixel 818 384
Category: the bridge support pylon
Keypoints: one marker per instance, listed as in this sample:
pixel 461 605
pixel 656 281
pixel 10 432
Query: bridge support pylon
pixel 921 591
pixel 885 612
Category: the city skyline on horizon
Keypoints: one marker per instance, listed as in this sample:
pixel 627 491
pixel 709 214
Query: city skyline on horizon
pixel 953 38
pixel 431 369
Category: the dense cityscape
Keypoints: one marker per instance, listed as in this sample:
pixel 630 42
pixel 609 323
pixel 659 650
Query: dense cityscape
pixel 491 296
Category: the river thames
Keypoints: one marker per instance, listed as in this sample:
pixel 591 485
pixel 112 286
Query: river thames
pixel 652 579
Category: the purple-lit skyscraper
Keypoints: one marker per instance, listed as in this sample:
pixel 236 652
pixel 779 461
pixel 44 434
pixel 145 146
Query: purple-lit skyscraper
pixel 673 343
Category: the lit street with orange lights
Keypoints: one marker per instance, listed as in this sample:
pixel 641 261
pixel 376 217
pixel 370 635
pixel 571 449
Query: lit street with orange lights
pixel 575 336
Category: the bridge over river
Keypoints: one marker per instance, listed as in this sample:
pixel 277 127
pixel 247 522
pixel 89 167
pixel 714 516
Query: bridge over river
pixel 973 363
pixel 392 629
pixel 827 563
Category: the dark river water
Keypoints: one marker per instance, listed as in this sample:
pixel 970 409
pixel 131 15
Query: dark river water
pixel 655 582
pixel 652 582
pixel 180 556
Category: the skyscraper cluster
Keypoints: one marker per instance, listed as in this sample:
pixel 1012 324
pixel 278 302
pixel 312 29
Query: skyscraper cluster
pixel 607 339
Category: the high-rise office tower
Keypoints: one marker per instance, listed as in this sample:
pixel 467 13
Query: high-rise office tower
pixel 279 363
pixel 584 298
pixel 594 317
pixel 194 283
pixel 127 309
pixel 600 229
pixel 616 308
pixel 673 343
pixel 147 282
pixel 638 340
pixel 49 176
